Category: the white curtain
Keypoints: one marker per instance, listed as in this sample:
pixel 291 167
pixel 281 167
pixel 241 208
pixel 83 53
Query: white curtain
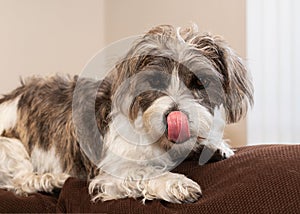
pixel 273 56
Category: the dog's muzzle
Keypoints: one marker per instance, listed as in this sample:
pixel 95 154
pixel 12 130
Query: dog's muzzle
pixel 177 127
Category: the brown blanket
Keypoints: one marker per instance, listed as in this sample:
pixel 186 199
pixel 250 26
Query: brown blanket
pixel 259 179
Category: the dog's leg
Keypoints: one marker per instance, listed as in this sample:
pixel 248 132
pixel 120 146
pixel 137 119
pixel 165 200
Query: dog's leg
pixel 106 187
pixel 16 170
pixel 139 182
pixel 214 143
pixel 219 148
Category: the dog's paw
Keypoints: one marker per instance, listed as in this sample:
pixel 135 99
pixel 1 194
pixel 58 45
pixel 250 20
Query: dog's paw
pixel 222 154
pixel 104 191
pixel 210 153
pixel 183 190
pixel 225 152
pixel 33 182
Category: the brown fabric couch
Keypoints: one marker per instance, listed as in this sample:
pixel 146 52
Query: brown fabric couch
pixel 258 179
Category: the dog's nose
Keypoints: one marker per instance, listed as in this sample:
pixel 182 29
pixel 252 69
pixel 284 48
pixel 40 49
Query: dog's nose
pixel 178 127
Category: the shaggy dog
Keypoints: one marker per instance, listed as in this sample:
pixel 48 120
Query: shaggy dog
pixel 126 132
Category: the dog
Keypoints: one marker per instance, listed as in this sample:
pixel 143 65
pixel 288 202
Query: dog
pixel 125 133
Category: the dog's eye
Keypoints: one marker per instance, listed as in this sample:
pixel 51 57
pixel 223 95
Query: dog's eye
pixel 199 83
pixel 157 81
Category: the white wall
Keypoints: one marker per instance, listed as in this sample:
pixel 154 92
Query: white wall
pixel 273 34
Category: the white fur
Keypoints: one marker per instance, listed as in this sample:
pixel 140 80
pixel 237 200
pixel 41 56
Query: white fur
pixel 179 37
pixel 8 114
pixel 137 141
pixel 214 141
pixel 45 161
pixel 17 172
pixel 134 164
pixel 168 186
pixel 172 187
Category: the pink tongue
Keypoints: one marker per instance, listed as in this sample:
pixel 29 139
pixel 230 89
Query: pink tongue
pixel 178 127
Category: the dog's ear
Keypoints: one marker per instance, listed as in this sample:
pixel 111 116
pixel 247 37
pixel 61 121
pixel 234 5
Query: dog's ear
pixel 236 79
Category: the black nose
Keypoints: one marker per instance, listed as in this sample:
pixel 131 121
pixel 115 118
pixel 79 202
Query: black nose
pixel 173 108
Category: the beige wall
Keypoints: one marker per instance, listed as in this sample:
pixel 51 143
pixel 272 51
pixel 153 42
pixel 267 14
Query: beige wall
pixel 47 36
pixel 55 36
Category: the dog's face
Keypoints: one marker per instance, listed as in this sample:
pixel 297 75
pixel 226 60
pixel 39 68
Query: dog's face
pixel 170 82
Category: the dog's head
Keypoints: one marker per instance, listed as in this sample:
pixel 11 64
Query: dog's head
pixel 171 80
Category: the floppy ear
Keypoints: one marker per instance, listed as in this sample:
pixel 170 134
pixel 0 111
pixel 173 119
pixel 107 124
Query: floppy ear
pixel 237 81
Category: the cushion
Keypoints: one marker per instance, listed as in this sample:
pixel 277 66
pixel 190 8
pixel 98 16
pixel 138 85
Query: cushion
pixel 257 179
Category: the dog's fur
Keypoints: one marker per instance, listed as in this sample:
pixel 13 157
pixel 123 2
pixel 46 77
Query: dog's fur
pixel 113 131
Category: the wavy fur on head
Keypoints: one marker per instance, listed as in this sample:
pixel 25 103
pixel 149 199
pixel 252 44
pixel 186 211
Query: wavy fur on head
pixel 163 42
pixel 115 131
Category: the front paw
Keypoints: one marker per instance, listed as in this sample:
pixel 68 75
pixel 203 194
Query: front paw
pixel 104 191
pixel 226 152
pixel 183 190
pixel 212 152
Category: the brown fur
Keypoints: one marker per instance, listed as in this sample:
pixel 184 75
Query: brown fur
pixel 45 118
